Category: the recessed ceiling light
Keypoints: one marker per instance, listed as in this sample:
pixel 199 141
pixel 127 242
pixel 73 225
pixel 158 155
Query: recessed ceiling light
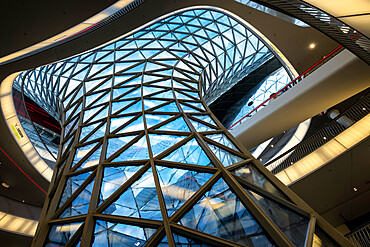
pixel 260 159
pixel 272 145
pixel 354 189
pixel 324 138
pixel 312 46
pixel 5 185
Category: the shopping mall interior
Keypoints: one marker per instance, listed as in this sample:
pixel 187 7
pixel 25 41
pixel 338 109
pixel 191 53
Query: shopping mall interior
pixel 185 123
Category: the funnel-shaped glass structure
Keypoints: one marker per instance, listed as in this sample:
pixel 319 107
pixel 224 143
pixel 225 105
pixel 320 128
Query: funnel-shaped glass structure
pixel 143 162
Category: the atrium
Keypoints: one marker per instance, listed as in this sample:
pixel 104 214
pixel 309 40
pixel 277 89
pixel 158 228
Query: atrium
pixel 159 123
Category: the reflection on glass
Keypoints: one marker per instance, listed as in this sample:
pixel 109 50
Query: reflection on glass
pixel 250 173
pixel 109 234
pixel 176 125
pixel 186 242
pixel 71 186
pixel 199 127
pixel 160 143
pixel 222 139
pixel 226 158
pixel 220 213
pixel 80 205
pixel 115 177
pixel 190 153
pixel 179 185
pixel 291 224
pixel 60 234
pixel 140 200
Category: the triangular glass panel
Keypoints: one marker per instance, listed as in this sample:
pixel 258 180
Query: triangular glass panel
pixel 115 177
pixel 106 71
pixel 151 103
pixel 223 139
pixel 117 92
pixel 118 122
pixel 149 53
pixel 179 185
pixel 125 79
pixel 178 124
pixel 72 126
pixel 92 83
pixel 60 234
pixel 91 98
pixel 140 200
pixel 118 106
pixel 83 151
pixel 134 94
pixel 182 96
pixel 137 69
pixel 164 83
pixel 89 113
pixel 177 84
pixel 199 127
pixel 187 109
pixel 80 205
pixel 150 90
pixel 160 143
pixel 172 107
pixel 96 133
pixel 205 118
pixel 117 234
pixel 186 242
pixel 136 125
pixel 137 107
pixel 114 144
pixel 137 151
pixel 152 120
pixel 164 95
pixel 190 153
pixel 250 173
pixel 134 56
pixel 119 67
pixel 93 160
pixel 290 223
pixel 224 156
pixel 72 185
pixel 220 213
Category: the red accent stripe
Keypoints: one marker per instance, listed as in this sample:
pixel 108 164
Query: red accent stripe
pixel 52 125
pixel 264 102
pixel 23 171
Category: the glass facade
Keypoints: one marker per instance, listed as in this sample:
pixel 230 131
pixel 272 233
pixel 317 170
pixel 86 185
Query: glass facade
pixel 143 162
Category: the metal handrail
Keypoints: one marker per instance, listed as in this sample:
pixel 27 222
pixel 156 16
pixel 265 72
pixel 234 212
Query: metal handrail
pixel 360 237
pixel 355 112
pixel 294 82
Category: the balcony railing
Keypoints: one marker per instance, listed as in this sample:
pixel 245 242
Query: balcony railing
pixel 360 237
pixel 292 83
pixel 353 113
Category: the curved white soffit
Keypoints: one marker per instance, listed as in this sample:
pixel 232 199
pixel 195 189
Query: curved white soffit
pixel 17 225
pixel 70 32
pixel 13 123
pixel 326 153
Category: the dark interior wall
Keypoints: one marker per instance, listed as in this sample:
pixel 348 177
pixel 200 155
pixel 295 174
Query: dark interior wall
pixel 24 23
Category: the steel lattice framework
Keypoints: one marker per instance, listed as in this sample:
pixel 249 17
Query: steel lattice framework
pixel 143 161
